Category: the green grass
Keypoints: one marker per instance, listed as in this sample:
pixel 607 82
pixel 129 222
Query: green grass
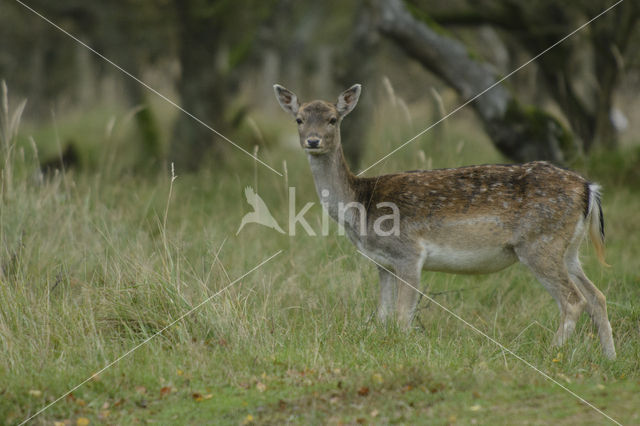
pixel 95 263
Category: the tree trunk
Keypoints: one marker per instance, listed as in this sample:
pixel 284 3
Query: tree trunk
pixel 522 133
pixel 201 87
pixel 537 26
pixel 352 64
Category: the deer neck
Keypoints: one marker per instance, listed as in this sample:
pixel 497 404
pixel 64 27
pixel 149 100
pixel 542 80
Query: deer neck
pixel 333 179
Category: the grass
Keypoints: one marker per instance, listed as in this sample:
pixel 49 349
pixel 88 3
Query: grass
pixel 95 263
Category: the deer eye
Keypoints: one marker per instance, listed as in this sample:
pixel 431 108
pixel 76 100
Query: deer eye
pixel 299 120
pixel 333 120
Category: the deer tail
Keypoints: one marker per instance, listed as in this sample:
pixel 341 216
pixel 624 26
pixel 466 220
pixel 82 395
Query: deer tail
pixel 595 220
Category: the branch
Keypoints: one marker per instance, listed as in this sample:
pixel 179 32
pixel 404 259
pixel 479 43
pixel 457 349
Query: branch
pixel 521 133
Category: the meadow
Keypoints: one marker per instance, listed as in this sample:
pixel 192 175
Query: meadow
pixel 94 263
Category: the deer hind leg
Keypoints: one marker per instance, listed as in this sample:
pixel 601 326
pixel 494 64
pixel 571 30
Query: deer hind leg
pixel 408 296
pixel 552 273
pixel 596 303
pixel 387 293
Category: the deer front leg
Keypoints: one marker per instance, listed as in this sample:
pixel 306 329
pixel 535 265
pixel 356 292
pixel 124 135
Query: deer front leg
pixel 387 293
pixel 408 295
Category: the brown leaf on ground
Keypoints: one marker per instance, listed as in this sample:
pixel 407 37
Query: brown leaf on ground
pixel 282 405
pixel 165 390
pixel 436 388
pixel 363 391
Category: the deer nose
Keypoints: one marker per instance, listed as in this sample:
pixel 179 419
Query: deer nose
pixel 313 142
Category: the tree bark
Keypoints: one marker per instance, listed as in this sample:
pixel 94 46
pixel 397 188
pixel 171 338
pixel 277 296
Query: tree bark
pixel 522 133
pixel 201 86
pixel 352 64
pixel 536 27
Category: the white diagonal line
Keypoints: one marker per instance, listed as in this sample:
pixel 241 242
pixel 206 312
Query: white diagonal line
pixel 152 336
pixel 151 89
pixel 504 348
pixel 492 86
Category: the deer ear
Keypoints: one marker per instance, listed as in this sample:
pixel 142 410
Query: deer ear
pixel 348 99
pixel 287 99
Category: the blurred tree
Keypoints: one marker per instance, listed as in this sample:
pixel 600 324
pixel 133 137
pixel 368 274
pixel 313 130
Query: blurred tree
pixel 581 73
pixel 217 40
pixel 133 34
pixel 520 132
pixel 353 62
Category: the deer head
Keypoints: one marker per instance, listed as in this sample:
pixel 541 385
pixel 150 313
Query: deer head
pixel 318 121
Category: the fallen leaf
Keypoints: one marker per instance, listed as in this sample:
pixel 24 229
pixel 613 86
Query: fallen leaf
pixel 179 372
pixel 248 419
pixel 363 391
pixel 166 390
pixel 374 413
pixel 377 378
pixel 197 397
pixel 334 400
pixel 600 386
pixel 141 389
pixel 208 396
pixel 361 420
pixel 282 404
pixel 82 421
pixel 118 403
pixel 35 392
pixel 436 388
pixel 56 423
pixel 81 402
pixel 105 406
pixel 71 397
pixel 261 387
pixel 475 407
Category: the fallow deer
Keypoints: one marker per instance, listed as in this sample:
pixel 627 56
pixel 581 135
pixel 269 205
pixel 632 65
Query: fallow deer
pixel 470 220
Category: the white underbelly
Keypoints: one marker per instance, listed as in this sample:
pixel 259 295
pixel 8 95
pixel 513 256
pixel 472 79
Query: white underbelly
pixel 480 260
